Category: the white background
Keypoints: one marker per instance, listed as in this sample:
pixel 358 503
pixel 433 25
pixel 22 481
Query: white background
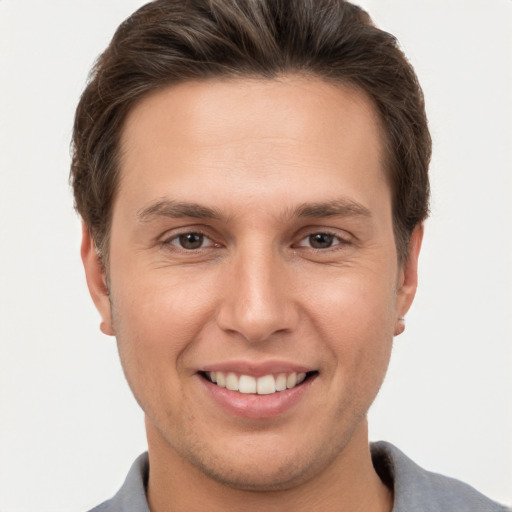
pixel 69 428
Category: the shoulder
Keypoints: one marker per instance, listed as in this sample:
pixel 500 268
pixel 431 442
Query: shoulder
pixel 418 489
pixel 132 495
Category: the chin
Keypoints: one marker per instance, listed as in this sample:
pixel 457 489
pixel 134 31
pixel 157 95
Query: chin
pixel 261 464
pixel 258 477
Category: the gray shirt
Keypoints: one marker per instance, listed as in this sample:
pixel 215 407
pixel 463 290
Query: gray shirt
pixel 415 490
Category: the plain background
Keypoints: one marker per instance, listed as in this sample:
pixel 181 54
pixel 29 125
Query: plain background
pixel 69 428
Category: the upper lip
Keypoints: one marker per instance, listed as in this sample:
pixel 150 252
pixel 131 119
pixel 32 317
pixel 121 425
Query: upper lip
pixel 257 369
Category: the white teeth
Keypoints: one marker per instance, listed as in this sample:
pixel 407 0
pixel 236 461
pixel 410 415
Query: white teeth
pixel 265 385
pixel 281 382
pixel 232 382
pixel 291 381
pixel 221 379
pixel 247 384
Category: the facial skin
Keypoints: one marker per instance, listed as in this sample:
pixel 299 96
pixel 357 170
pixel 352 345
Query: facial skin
pixel 293 267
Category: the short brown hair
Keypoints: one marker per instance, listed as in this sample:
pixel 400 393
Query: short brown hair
pixel 171 41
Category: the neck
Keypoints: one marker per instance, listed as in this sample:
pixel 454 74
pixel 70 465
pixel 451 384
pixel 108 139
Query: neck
pixel 349 483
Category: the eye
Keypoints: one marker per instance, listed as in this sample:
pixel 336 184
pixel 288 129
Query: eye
pixel 320 241
pixel 191 241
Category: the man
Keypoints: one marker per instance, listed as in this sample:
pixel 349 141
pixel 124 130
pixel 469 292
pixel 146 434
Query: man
pixel 252 178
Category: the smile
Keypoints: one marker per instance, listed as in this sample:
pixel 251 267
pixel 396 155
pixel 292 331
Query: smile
pixel 265 385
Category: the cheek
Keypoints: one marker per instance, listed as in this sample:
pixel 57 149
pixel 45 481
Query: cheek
pixel 356 317
pixel 156 326
pixel 355 302
pixel 157 320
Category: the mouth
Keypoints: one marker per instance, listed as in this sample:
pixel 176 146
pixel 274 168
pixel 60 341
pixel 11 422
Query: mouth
pixel 264 385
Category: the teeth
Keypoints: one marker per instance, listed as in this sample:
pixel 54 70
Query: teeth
pixel 291 381
pixel 265 385
pixel 247 384
pixel 232 382
pixel 281 382
pixel 221 379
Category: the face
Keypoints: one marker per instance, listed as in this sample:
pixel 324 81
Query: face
pixel 252 247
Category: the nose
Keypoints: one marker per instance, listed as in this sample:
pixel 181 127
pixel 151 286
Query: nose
pixel 258 298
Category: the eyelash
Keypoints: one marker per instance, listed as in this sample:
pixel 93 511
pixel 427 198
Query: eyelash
pixel 338 242
pixel 335 246
pixel 170 241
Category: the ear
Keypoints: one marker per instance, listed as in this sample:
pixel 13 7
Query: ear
pixel 96 280
pixel 408 277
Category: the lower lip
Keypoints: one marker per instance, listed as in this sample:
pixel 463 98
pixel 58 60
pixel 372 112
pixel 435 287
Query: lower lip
pixel 256 406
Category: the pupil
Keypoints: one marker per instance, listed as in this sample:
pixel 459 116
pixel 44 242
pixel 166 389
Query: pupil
pixel 321 240
pixel 191 240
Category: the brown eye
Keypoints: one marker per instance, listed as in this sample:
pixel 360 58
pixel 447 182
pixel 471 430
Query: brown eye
pixel 190 241
pixel 321 240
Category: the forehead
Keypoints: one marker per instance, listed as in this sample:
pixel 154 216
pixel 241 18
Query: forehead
pixel 250 132
pixel 305 103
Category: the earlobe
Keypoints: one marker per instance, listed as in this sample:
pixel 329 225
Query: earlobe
pixel 96 280
pixel 399 326
pixel 408 279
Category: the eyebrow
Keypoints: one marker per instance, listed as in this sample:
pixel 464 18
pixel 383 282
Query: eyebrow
pixel 340 207
pixel 179 209
pixel 176 210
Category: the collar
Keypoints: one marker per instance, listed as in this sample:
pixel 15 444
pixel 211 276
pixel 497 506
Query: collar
pixel 414 488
